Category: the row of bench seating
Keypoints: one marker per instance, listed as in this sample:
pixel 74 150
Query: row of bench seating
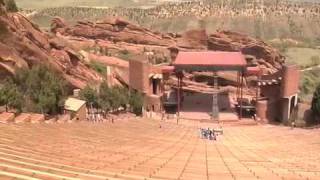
pixel 140 149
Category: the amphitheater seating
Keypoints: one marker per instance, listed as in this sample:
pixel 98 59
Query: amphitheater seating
pixel 37 118
pixel 6 117
pixel 23 118
pixel 140 149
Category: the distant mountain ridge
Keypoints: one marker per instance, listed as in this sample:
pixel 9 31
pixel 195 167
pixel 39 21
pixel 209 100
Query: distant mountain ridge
pixel 36 4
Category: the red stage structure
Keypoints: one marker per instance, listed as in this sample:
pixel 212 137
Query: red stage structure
pixel 211 61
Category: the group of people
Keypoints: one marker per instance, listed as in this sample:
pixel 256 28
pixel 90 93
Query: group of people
pixel 208 134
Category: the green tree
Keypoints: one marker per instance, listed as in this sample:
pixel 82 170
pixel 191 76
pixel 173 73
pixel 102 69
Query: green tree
pixel 122 95
pixel 105 97
pixel 316 101
pixel 10 96
pixel 11 6
pixel 114 97
pixel 42 88
pixel 89 95
pixel 136 102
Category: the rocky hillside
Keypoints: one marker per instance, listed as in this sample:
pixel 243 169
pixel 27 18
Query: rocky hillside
pixel 268 20
pixel 70 49
pixel 23 44
pixel 116 33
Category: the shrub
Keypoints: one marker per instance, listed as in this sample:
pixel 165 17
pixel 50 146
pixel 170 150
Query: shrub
pixel 39 90
pixel 11 6
pixel 99 67
pixel 316 101
pixel 308 84
pixel 10 96
pixel 124 51
pixel 89 95
pixel 136 102
pixel 112 98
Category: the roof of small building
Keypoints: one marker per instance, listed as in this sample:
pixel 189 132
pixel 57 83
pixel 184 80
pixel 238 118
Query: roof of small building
pixel 210 60
pixel 73 104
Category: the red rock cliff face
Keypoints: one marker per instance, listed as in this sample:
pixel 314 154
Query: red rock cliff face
pixel 23 44
pixel 118 30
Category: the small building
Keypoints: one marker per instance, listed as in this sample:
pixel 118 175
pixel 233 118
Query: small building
pixel 76 108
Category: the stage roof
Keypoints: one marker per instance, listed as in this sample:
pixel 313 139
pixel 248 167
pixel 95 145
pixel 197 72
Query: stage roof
pixel 210 61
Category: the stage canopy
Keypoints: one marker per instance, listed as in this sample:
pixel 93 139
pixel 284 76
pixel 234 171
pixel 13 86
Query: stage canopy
pixel 210 61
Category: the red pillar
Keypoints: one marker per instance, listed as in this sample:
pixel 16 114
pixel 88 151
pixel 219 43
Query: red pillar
pixel 258 87
pixel 179 99
pixel 238 85
pixel 241 94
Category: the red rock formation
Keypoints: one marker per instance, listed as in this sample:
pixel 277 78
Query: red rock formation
pixel 194 39
pixel 116 30
pixel 23 44
pixel 113 31
pixel 232 41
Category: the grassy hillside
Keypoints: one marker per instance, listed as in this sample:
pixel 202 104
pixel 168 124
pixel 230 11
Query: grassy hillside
pixel 309 81
pixel 303 56
pixel 306 58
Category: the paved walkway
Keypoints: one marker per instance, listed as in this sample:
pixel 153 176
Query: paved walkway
pixel 139 149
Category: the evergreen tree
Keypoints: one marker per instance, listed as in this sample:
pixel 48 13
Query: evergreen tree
pixel 11 6
pixel 10 96
pixel 39 90
pixel 316 101
pixel 105 97
pixel 89 95
pixel 136 102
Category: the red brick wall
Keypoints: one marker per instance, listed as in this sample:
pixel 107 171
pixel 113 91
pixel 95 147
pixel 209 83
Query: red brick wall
pixel 153 103
pixel 261 108
pixel 271 91
pixel 290 80
pixel 139 71
pixel 268 110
